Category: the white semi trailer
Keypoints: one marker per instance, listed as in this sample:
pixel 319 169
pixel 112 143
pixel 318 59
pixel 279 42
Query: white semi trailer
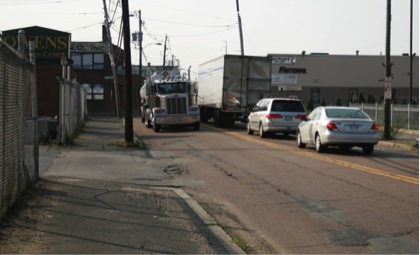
pixel 229 86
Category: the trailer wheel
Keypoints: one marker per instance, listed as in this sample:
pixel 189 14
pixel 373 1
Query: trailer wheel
pixel 204 118
pixel 216 118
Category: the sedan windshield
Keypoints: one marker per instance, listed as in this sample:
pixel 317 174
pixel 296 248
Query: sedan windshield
pixel 344 113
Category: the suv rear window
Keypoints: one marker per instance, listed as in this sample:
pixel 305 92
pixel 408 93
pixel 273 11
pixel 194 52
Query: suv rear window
pixel 287 106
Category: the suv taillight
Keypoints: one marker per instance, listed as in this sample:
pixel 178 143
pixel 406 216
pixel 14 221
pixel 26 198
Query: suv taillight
pixel 301 116
pixel 273 116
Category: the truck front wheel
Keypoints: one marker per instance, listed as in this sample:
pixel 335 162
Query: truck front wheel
pixel 156 128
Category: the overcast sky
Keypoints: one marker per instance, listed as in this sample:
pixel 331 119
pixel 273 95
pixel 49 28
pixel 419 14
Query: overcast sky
pixel 199 30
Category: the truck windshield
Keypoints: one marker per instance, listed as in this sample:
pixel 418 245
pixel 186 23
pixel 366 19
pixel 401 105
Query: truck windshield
pixel 172 87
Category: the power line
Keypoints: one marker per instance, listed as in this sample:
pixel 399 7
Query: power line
pixel 186 24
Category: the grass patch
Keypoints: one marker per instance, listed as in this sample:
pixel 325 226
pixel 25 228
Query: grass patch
pixel 239 242
pixel 135 144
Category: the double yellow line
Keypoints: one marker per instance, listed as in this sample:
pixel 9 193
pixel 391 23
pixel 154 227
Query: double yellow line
pixel 326 159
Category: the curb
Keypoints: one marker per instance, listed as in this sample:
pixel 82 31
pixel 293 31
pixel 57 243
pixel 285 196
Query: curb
pixel 211 224
pixel 394 144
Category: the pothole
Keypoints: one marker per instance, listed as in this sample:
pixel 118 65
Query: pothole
pixel 176 170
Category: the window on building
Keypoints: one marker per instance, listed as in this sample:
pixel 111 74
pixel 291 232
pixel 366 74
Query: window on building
pixel 88 61
pixel 77 60
pixel 94 91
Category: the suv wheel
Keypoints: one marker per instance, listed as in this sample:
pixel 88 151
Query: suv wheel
pixel 262 133
pixel 249 130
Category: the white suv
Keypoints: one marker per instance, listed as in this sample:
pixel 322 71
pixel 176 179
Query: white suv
pixel 276 115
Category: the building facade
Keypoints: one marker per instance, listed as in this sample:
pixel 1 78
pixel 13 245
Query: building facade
pixel 332 78
pixel 50 46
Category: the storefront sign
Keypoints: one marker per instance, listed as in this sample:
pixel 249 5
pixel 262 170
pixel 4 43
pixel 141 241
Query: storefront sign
pixel 277 79
pixel 92 47
pixel 283 60
pixel 284 69
pixel 50 44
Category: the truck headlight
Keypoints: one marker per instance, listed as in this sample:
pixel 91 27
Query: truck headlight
pixel 159 111
pixel 194 108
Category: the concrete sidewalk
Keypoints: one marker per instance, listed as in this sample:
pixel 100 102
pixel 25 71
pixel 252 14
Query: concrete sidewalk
pixel 95 197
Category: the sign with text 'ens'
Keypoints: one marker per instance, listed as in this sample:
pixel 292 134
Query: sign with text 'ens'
pixel 50 44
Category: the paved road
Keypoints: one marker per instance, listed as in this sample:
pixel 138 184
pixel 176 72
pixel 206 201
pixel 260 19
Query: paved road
pixel 281 199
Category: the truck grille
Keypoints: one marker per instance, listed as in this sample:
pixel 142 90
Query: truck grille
pixel 176 105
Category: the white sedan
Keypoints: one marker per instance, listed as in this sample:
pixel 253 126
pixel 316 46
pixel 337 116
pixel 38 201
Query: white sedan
pixel 345 127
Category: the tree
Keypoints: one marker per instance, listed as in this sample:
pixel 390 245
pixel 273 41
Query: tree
pixel 310 105
pixel 338 102
pixel 361 98
pixel 371 99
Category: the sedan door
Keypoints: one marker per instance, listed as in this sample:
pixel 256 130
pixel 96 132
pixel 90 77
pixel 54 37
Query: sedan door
pixel 309 127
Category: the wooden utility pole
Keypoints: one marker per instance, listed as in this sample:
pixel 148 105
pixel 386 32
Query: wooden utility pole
pixel 388 88
pixel 128 74
pixel 164 52
pixel 240 28
pixel 411 54
pixel 113 64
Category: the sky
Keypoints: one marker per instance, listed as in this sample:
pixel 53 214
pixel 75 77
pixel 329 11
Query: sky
pixel 198 31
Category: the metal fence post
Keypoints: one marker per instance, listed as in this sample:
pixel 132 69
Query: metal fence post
pixel 409 115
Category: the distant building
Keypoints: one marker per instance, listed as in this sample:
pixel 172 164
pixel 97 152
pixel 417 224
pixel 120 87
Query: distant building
pixel 341 77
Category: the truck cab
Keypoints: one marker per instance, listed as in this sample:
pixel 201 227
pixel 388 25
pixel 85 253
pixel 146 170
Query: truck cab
pixel 168 100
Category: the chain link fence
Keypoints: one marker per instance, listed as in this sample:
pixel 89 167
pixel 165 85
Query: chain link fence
pixel 402 116
pixel 18 146
pixel 73 108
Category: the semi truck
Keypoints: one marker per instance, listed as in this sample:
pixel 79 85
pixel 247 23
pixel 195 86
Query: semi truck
pixel 167 99
pixel 230 86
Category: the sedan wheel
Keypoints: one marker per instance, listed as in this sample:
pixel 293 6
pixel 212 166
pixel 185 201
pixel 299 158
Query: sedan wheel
pixel 318 145
pixel 368 149
pixel 299 141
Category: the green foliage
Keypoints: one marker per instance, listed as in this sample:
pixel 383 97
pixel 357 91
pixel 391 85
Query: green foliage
pixel 361 99
pixel 371 99
pixel 338 102
pixel 310 105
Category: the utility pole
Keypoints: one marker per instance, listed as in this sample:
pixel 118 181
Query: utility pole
pixel 240 28
pixel 128 74
pixel 411 54
pixel 164 52
pixel 388 88
pixel 140 38
pixel 112 59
